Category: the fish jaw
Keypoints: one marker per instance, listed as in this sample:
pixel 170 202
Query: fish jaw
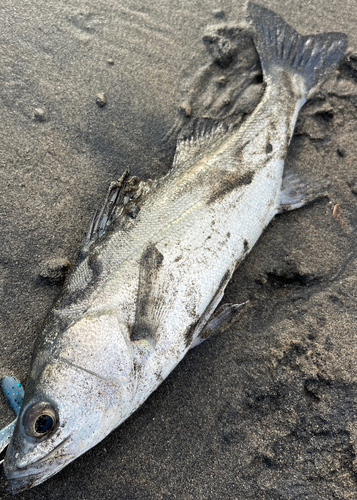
pixel 21 479
pixel 18 484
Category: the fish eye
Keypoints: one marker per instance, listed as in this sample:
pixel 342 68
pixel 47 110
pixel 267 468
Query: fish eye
pixel 39 419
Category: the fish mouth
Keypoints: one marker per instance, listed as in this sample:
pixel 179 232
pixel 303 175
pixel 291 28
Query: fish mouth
pixel 22 478
pixel 18 484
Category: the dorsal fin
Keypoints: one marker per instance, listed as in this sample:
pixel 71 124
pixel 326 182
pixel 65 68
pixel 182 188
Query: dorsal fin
pixel 120 199
pixel 205 135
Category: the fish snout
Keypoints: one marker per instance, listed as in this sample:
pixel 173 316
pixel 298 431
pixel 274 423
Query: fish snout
pixel 27 470
pixel 22 479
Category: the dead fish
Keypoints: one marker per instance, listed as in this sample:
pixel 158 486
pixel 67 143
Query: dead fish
pixel 157 260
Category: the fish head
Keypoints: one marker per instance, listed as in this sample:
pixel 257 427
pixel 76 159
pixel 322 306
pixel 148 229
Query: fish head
pixel 70 405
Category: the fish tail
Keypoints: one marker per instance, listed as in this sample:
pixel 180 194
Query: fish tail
pixel 313 57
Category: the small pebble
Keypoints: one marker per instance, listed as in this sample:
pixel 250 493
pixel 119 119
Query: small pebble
pixel 101 100
pixel 222 80
pixel 218 13
pixel 186 109
pixel 110 61
pixel 40 114
pixel 54 270
pixel 341 152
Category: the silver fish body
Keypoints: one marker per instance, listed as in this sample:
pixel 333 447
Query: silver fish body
pixel 150 281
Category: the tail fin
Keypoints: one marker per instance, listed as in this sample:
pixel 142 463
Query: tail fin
pixel 278 44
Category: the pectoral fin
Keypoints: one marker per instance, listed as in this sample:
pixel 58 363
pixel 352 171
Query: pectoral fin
pixel 150 303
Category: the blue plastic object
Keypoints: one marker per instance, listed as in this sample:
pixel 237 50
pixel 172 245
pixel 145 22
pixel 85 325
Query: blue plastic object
pixel 14 393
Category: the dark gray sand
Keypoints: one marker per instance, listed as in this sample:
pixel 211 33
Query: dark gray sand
pixel 265 410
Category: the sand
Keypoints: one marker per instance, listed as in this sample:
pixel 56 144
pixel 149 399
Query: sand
pixel 266 409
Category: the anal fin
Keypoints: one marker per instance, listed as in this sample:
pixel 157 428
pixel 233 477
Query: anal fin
pixel 296 191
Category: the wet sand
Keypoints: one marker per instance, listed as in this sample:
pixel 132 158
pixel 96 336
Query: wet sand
pixel 266 410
